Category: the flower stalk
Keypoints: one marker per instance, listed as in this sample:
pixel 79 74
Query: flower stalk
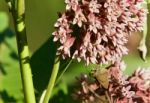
pixel 18 12
pixel 63 72
pixel 52 80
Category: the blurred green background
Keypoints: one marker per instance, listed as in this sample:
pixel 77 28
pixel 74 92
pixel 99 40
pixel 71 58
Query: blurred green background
pixel 40 17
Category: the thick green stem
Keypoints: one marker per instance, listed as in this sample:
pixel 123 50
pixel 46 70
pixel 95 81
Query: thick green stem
pixel 18 12
pixel 52 80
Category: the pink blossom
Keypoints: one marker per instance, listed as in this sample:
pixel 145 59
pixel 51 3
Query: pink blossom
pixel 94 6
pixel 127 93
pixel 66 46
pixel 61 34
pixel 135 80
pixel 71 4
pixel 142 86
pixel 79 18
pixel 62 22
pixel 94 23
pixel 86 39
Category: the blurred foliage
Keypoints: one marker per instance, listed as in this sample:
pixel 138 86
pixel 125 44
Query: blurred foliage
pixel 10 82
pixel 4 21
pixel 40 17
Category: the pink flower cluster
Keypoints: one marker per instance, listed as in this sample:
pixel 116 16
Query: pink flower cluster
pixel 97 30
pixel 121 88
pixel 129 89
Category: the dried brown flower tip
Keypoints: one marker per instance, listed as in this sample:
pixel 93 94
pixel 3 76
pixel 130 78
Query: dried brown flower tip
pixel 97 30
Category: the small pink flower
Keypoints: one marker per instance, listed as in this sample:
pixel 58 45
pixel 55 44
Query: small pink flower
pixel 94 23
pixel 144 74
pixel 61 34
pixel 94 6
pixel 86 39
pixel 71 4
pixel 62 22
pixel 135 80
pixel 65 48
pixel 79 18
pixel 127 93
pixel 115 72
pixel 142 86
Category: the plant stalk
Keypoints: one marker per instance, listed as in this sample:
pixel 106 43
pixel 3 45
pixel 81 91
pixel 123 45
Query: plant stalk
pixel 52 80
pixel 18 12
pixel 63 72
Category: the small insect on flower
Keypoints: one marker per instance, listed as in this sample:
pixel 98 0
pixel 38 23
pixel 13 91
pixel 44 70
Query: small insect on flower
pixel 102 77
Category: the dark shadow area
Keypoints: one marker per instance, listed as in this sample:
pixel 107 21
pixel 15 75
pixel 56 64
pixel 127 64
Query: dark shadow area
pixel 7 98
pixel 65 98
pixel 2 70
pixel 14 55
pixel 41 64
pixel 26 60
pixel 7 33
